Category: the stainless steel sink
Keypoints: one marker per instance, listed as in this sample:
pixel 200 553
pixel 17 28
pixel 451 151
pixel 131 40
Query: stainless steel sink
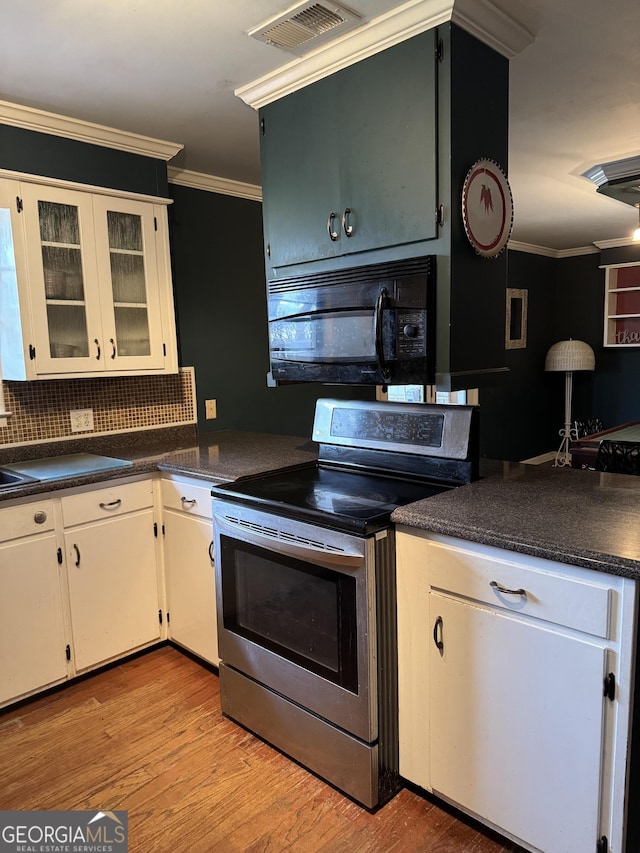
pixel 11 478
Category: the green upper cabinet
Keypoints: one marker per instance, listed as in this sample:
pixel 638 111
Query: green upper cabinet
pixel 349 162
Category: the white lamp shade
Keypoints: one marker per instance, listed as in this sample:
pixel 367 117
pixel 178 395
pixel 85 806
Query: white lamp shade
pixel 570 355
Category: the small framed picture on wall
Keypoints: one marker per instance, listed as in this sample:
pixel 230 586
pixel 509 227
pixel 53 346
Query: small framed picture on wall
pixel 516 318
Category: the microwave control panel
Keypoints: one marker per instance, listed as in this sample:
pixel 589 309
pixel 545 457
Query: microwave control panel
pixel 411 339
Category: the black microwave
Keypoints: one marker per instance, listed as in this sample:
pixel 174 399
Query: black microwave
pixel 370 325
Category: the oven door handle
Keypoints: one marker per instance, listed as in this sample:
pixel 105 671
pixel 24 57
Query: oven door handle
pixel 302 551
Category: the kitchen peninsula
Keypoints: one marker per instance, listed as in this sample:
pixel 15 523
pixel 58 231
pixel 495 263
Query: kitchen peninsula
pixel 517 610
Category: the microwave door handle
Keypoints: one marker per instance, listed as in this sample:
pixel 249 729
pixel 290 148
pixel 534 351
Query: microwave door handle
pixel 380 305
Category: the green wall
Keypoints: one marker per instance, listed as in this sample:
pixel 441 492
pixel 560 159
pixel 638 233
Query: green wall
pixel 70 160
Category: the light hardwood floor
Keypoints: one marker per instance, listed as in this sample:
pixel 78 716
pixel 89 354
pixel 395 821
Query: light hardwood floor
pixel 148 736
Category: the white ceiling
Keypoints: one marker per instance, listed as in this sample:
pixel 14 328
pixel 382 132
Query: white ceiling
pixel 169 70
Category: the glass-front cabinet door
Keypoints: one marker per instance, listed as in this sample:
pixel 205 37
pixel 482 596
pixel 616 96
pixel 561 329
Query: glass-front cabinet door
pixel 85 284
pixel 62 271
pixel 126 255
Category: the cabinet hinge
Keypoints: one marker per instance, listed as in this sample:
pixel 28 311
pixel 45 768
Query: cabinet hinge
pixel 60 555
pixel 439 50
pixel 67 652
pixel 603 845
pixel 160 616
pixel 268 250
pixel 262 127
pixel 155 223
pixel 440 215
pixel 32 352
pixel 610 686
pixel 19 205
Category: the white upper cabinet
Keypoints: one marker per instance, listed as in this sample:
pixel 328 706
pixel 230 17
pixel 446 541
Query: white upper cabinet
pixel 85 285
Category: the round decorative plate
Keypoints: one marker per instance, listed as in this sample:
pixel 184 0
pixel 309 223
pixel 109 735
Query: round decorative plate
pixel 487 208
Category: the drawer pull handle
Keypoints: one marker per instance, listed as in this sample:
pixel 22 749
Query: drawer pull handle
pixel 111 504
pixel 506 591
pixel 187 503
pixel 40 517
pixel 437 635
pixel 77 550
pixel 211 551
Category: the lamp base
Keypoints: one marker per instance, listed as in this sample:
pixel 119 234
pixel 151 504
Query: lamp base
pixel 563 456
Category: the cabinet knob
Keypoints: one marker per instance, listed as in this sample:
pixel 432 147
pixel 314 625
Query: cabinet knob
pixel 40 517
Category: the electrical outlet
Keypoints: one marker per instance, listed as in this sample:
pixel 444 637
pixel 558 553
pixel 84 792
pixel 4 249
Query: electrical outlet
pixel 210 410
pixel 81 420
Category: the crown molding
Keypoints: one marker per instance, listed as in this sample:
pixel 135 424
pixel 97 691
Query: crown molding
pixel 480 17
pixel 85 131
pixel 493 26
pixel 616 243
pixel 578 250
pixel 532 249
pixel 213 184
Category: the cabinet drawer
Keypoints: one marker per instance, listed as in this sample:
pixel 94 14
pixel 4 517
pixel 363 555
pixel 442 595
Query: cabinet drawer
pixel 558 598
pixel 192 499
pixel 17 521
pixel 105 503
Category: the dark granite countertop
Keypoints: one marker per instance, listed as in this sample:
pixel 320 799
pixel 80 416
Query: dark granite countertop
pixel 217 457
pixel 580 517
pixel 583 518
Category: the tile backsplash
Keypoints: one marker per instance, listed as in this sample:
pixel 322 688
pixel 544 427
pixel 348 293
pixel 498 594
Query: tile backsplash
pixel 40 409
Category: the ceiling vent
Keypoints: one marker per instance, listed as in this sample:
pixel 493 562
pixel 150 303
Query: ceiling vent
pixel 306 26
pixel 619 179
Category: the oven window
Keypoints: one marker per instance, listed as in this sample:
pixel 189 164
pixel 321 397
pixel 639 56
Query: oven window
pixel 302 612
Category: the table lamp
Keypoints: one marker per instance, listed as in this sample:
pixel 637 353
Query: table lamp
pixel 568 356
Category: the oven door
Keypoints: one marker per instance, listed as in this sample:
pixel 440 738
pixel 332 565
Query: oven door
pixel 296 612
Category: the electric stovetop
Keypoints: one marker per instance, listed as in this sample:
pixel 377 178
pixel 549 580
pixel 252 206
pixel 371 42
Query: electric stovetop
pixel 358 502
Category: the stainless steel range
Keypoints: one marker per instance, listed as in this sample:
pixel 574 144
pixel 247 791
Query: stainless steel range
pixel 306 591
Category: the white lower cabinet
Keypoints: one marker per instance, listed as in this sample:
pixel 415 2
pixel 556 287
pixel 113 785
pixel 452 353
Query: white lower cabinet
pixel 504 661
pixel 81 578
pixel 32 635
pixel 189 568
pixel 112 571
